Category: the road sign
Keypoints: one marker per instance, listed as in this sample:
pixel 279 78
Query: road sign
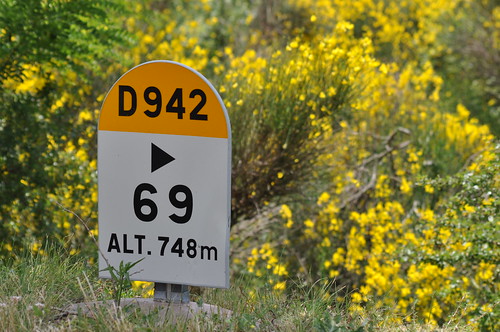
pixel 164 162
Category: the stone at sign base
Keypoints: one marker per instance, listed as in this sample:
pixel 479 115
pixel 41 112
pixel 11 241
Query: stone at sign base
pixel 166 310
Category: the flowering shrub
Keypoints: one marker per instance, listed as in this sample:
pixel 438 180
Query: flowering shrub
pixel 364 143
pixel 48 54
pixel 388 228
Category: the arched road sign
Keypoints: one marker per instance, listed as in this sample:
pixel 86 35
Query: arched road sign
pixel 164 165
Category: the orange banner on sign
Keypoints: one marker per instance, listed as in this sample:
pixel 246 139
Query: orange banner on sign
pixel 164 97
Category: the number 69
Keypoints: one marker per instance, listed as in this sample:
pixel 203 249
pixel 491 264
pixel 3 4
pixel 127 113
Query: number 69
pixel 185 202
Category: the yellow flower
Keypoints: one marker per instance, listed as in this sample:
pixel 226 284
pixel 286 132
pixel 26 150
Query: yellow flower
pixel 487 201
pixel 280 286
pixel 147 39
pixel 405 291
pixel 356 297
pixel 323 198
pixel 487 308
pixel 280 270
pixel 485 271
pixel 285 212
pixel 84 115
pixel 333 273
pixel 365 290
pixel 338 256
pixel 144 287
pixel 469 209
pixel 405 186
pixel 463 112
pixel 326 242
pixel 35 246
pixel 429 188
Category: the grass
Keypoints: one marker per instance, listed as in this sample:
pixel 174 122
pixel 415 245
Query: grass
pixel 35 291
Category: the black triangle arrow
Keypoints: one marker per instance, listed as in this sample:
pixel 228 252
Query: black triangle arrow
pixel 159 158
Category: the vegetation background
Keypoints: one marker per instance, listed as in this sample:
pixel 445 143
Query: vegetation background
pixel 365 156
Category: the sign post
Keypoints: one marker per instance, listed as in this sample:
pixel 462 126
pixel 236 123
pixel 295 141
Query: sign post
pixel 164 170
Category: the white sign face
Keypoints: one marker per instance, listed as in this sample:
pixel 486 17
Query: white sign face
pixel 164 177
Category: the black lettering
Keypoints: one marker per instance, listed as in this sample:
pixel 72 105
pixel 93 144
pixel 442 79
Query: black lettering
pixel 113 243
pixel 140 202
pixel 165 240
pixel 185 203
pixel 208 251
pixel 125 249
pixel 156 101
pixel 194 113
pixel 177 247
pixel 121 100
pixel 139 242
pixel 176 99
pixel 191 248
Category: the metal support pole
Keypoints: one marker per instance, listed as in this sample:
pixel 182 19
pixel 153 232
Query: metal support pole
pixel 173 293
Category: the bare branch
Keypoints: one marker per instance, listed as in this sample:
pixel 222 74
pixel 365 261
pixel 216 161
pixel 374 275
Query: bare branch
pixel 87 228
